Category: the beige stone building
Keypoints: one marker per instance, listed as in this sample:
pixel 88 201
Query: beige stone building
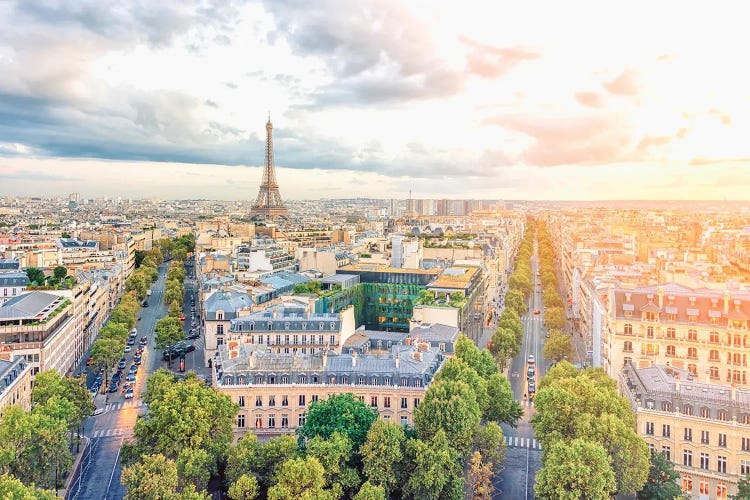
pixel 274 390
pixel 703 428
pixel 15 382
pixel 699 330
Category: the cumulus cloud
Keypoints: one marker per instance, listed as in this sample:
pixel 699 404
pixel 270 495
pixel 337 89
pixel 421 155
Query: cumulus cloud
pixel 625 84
pixel 488 61
pixel 590 99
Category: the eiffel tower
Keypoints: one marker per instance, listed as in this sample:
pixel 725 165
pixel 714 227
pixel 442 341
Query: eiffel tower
pixel 269 205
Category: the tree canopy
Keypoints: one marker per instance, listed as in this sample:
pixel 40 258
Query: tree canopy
pixel 340 412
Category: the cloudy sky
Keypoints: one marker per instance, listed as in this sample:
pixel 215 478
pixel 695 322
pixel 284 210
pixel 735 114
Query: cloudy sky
pixel 461 99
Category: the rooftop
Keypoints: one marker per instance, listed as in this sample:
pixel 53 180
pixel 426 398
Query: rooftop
pixel 13 279
pixel 32 305
pixel 380 268
pixel 455 277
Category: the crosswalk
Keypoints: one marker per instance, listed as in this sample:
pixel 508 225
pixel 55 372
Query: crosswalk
pixel 131 403
pixel 520 442
pixel 112 432
pixel 535 318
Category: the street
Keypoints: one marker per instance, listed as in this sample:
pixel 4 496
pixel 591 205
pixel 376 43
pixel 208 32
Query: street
pixel 523 454
pixel 101 479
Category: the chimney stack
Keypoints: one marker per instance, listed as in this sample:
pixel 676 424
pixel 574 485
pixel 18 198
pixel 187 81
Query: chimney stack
pixel 398 361
pixel 325 358
pixel 354 358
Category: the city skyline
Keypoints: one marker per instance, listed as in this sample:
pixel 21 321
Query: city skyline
pixel 483 101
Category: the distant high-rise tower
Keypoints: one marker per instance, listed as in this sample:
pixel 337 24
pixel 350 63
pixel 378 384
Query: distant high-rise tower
pixel 269 204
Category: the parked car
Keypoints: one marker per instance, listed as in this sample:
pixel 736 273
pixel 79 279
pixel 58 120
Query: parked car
pixel 121 365
pixel 131 377
pixel 134 368
pixel 131 341
pixel 137 360
pixel 129 394
pixel 112 387
pixel 128 348
pixel 193 335
pixel 531 359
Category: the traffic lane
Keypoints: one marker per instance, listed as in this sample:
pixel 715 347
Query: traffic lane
pixel 516 480
pixel 101 478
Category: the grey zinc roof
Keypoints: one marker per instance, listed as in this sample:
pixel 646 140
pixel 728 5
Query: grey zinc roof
pixel 13 279
pixel 28 305
pixel 435 332
pixel 229 302
pixel 9 264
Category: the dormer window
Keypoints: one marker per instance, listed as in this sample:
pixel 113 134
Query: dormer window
pixel 320 326
pixel 304 325
pixel 286 326
pixel 220 315
pixel 692 301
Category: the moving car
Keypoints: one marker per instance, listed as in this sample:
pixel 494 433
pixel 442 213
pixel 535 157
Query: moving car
pixel 112 387
pixel 531 359
pixel 536 311
pixel 144 340
pixel 131 377
pixel 129 394
pixel 193 335
pixel 530 372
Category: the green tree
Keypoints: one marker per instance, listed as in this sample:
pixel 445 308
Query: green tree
pixel 244 488
pixel 105 353
pixel 174 310
pixel 112 330
pixel 195 466
pixel 155 478
pixel 60 272
pixel 136 283
pixel 554 318
pixel 122 316
pixel 301 478
pixel 369 491
pixel 186 414
pixel 515 300
pixel 12 488
pixel 575 470
pixel 480 360
pixel 383 454
pixel 432 466
pixel 340 412
pixel 36 275
pixel 450 406
pixel 480 478
pixel 273 453
pixel 33 446
pixel 557 347
pixel 743 489
pixel 489 442
pixel 502 404
pixel 504 346
pixel 457 369
pixel 333 454
pixel 65 398
pixel 662 480
pixel 168 331
pixel 520 282
pixel 242 458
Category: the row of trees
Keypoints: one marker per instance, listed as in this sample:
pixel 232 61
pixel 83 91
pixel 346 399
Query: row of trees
pixel 558 346
pixel 507 337
pixel 587 431
pixel 109 344
pixel 35 446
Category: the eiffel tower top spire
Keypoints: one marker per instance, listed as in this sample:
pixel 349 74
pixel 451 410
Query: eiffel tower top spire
pixel 269 205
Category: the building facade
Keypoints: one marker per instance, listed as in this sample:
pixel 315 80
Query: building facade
pixel 699 330
pixel 274 390
pixel 702 428
pixel 15 383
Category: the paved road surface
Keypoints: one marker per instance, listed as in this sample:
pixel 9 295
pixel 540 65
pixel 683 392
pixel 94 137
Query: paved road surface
pixel 523 455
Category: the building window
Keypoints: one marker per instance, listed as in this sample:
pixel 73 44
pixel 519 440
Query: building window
pixel 240 421
pixel 374 401
pixel 714 372
pixel 692 353
pixel 649 428
pixel 666 406
pixel 295 339
pixel 721 491
pixel 723 440
pixel 404 405
pixel 286 339
pixel 387 381
pixel 692 334
pixel 721 464
pixel 744 467
pixel 687 484
pixel 284 379
pixel 284 400
pixel 704 437
pixel 313 398
pixel 416 403
pixel 284 421
pixel 259 422
pixel 667 452
pixel 241 401
pixel 722 415
pixel 704 461
pixel 650 332
pixel 666 430
pixel 713 355
pixel 671 333
pixel 404 421
pixel 302 400
pixel 687 458
pixel 670 350
pixel 386 402
pixel 271 400
pixel 333 340
pixel 272 421
pixel 258 400
pixel 220 341
pixel 745 444
pixel 301 419
pixel 688 434
pixel 705 413
pixel 703 486
pixel 417 382
pixel 713 337
pixel 651 448
pixel 627 329
pixel 628 346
